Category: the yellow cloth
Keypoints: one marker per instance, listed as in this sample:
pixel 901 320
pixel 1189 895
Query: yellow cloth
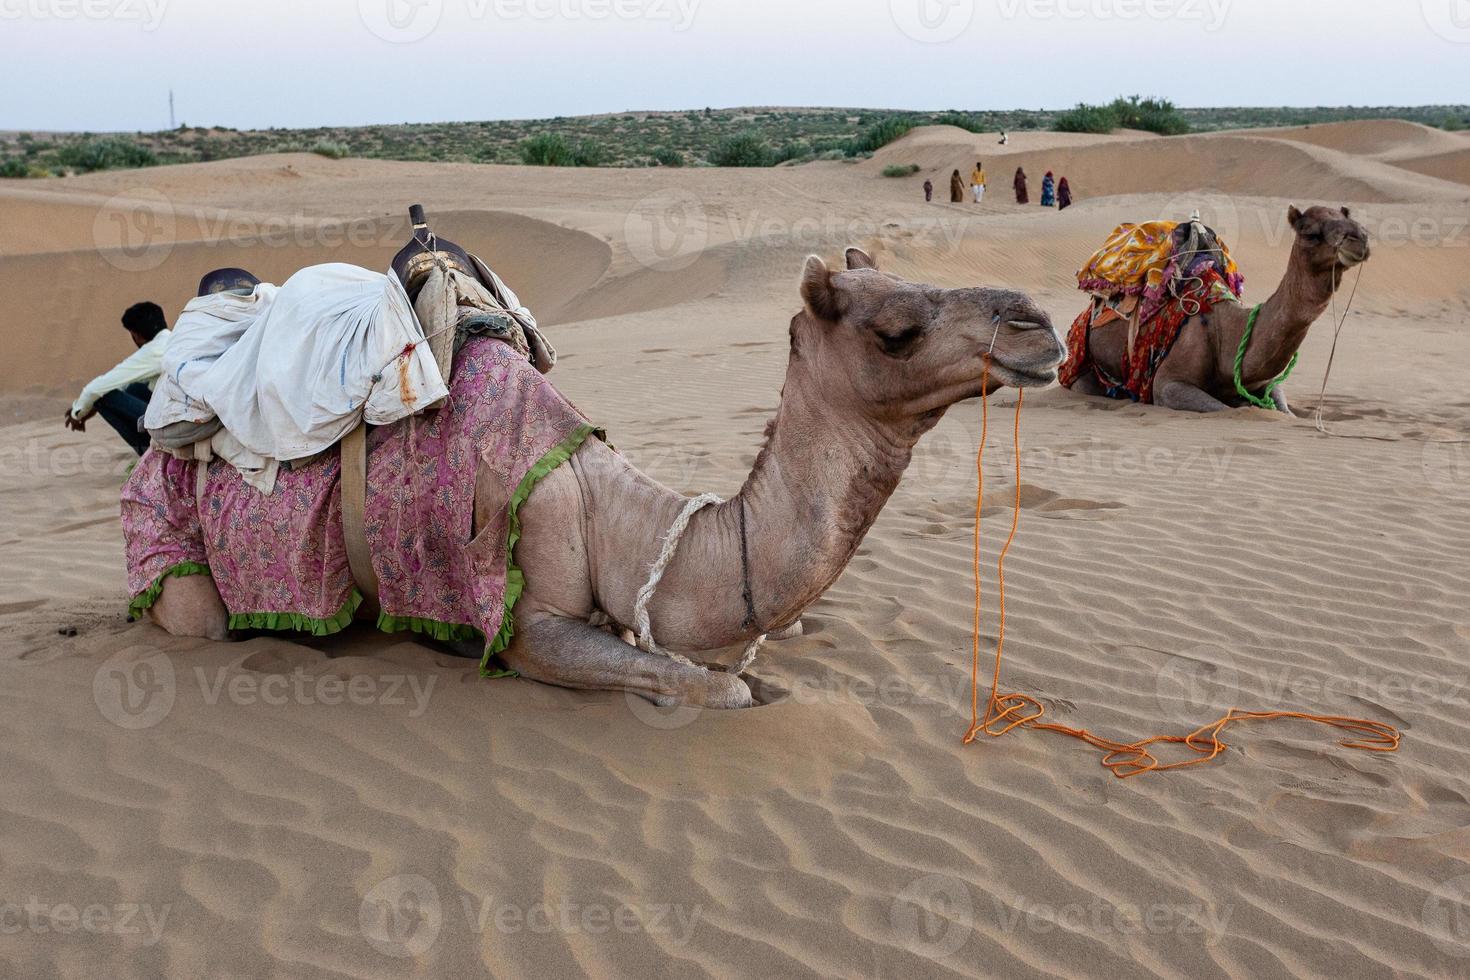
pixel 977 176
pixel 1135 257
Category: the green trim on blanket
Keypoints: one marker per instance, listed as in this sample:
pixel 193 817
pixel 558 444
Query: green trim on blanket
pixel 143 600
pixel 432 628
pixel 295 621
pixel 515 580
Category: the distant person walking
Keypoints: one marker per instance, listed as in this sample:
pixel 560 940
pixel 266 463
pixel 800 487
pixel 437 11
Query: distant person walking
pixel 1048 191
pixel 121 395
pixel 1064 195
pixel 928 190
pixel 1004 139
pixel 977 181
pixel 956 188
pixel 1021 196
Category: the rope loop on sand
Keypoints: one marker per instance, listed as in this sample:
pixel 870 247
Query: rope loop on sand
pixel 641 625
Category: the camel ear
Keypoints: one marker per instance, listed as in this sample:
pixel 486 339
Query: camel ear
pixel 1345 212
pixel 1293 215
pixel 818 291
pixel 858 259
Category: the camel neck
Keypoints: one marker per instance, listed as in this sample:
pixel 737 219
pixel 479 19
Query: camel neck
pixel 1285 318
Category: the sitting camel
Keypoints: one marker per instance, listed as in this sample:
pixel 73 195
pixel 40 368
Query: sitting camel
pixel 1198 372
pixel 875 361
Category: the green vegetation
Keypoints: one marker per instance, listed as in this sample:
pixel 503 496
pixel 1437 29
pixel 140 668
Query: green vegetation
pixel 724 137
pixel 746 149
pixel 1153 115
pixel 331 149
pixel 901 169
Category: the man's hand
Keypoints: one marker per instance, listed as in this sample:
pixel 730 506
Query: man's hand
pixel 77 424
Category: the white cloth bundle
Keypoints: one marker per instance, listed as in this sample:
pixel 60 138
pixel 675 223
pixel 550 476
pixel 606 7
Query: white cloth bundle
pixel 290 370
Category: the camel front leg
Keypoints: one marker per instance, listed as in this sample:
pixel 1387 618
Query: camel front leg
pixel 1278 397
pixel 569 653
pixel 190 606
pixel 1185 397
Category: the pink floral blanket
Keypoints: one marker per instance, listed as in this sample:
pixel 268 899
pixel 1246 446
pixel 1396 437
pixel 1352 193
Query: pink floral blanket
pixel 279 560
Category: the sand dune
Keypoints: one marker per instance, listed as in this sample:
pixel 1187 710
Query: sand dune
pixel 1167 567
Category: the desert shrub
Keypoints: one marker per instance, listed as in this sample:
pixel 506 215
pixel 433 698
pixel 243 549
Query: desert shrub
pixel 14 167
pixel 667 156
pixel 105 153
pixel 330 149
pixel 900 170
pixel 879 135
pixel 547 150
pixel 1086 119
pixel 588 153
pixel 963 120
pixel 742 150
pixel 1154 115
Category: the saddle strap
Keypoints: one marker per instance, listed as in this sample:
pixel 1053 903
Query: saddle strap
pixel 354 506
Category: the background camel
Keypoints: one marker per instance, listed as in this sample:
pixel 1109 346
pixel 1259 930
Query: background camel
pixel 1197 375
pixel 875 361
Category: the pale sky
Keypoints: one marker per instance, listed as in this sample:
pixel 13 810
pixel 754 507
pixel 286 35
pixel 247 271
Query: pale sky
pixel 109 64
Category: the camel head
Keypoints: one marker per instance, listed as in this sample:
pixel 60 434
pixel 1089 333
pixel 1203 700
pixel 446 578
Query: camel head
pixel 901 349
pixel 1328 237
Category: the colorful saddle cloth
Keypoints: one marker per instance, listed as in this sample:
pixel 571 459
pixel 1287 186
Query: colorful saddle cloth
pixel 1155 276
pixel 279 561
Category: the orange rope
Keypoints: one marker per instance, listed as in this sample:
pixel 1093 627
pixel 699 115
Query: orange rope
pixel 1004 712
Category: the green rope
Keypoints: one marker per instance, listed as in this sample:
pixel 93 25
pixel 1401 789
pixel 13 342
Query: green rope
pixel 1263 400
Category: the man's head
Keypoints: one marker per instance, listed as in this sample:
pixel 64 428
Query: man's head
pixel 227 281
pixel 144 320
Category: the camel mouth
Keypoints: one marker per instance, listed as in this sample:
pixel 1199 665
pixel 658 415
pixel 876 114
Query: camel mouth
pixel 1023 377
pixel 1351 255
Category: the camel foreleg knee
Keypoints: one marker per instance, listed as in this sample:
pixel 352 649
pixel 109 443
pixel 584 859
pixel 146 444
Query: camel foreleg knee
pixel 190 605
pixel 1185 397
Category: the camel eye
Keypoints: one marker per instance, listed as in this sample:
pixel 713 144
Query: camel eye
pixel 901 344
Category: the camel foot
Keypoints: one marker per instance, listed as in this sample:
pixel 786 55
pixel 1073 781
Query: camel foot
pixel 787 633
pixel 191 606
pixel 569 653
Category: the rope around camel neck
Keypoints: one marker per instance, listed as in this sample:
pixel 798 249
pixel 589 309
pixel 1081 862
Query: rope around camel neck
pixel 1123 759
pixel 1263 400
pixel 641 624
